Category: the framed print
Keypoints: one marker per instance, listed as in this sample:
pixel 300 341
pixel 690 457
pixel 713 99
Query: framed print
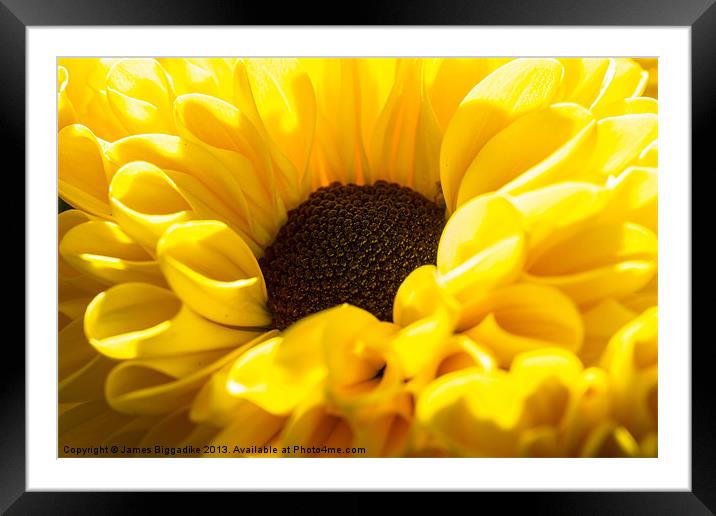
pixel 406 257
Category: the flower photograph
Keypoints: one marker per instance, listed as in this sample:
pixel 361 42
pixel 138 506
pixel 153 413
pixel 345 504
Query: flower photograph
pixel 357 257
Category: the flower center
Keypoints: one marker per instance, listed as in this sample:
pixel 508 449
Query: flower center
pixel 349 244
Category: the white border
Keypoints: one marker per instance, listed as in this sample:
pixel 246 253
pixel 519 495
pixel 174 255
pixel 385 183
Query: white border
pixel 670 471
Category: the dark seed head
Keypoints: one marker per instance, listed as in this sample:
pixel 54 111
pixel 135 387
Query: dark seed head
pixel 349 244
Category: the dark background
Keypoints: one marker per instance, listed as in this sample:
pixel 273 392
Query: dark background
pixel 16 15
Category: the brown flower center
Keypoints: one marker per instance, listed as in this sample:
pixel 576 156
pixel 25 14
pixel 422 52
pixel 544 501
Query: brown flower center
pixel 349 244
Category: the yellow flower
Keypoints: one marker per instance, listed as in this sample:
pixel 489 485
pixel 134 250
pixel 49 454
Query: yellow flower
pixel 358 257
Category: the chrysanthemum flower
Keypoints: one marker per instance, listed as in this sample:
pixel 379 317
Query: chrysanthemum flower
pixel 402 257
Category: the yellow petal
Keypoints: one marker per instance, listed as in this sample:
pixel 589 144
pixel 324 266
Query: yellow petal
pixel 583 79
pixel 482 246
pixel 314 425
pixel 250 427
pixel 74 352
pixel 361 370
pixel 72 284
pixel 610 260
pixel 162 385
pixel 420 295
pixel 82 180
pixel 554 213
pixel 472 413
pixel 649 157
pixel 546 378
pixel 87 383
pixel 87 424
pixel 236 142
pixel 176 430
pixel 175 154
pixel 610 441
pixel 65 110
pixel 449 80
pixel 102 250
pixel 283 372
pixel 523 145
pixel 139 320
pixel 145 201
pixel 631 358
pixel 140 95
pixel 512 90
pixel 406 140
pixel 624 79
pixel 210 76
pixel 215 273
pixel 254 377
pixel 601 322
pixel 86 89
pixel 629 106
pixel 343 125
pixel 277 96
pixel 620 140
pixel 635 197
pixel 524 317
pixel 564 164
pixel 417 345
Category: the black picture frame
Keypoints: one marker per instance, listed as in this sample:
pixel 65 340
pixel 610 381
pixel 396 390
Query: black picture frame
pixel 17 15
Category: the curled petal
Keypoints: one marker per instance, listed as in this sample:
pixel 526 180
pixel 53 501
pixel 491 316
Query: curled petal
pixel 140 95
pixel 134 320
pixel 171 153
pixel 215 273
pixel 81 371
pixel 482 247
pixel 284 371
pixel 420 295
pixel 66 114
pixel 360 368
pixel 520 86
pixel 86 89
pixel 453 354
pixel 250 427
pixel 472 414
pixel 164 384
pixel 417 345
pixel 145 201
pixel 314 425
pixel 524 145
pixel 73 284
pixel 82 180
pixel 102 250
pixel 525 317
pixel 631 358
